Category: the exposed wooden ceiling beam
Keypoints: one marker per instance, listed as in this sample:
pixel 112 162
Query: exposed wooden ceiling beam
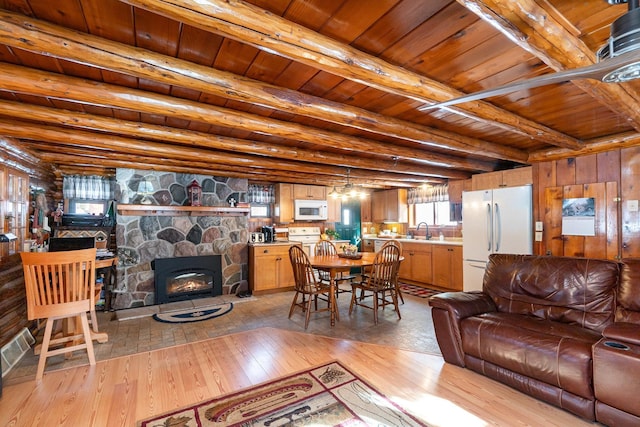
pixel 534 27
pixel 51 40
pixel 76 160
pixel 592 146
pixel 205 140
pixel 40 83
pixel 257 27
pixel 197 157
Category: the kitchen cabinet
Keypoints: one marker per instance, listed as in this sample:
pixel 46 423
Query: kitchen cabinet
pixel 334 210
pixel 447 266
pixel 270 268
pixel 507 178
pixel 283 211
pixel 368 245
pixel 417 264
pixel 310 192
pixel 365 210
pixel 455 191
pixel 390 206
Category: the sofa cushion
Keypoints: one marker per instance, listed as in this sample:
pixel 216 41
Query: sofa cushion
pixel 563 289
pixel 552 352
pixel 628 309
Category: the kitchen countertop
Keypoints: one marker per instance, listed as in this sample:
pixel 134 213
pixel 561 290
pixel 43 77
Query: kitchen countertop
pixel 453 241
pixel 282 242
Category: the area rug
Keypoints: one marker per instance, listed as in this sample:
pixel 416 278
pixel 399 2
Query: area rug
pixel 417 291
pixel 195 314
pixel 327 395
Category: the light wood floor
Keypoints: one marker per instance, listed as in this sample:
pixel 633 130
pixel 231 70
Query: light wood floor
pixel 120 391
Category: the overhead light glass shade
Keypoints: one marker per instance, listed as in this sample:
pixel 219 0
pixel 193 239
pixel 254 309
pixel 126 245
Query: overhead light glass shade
pixel 349 191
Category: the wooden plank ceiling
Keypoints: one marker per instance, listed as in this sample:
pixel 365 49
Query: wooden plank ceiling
pixel 304 90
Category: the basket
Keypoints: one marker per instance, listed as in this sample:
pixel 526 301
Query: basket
pixel 350 256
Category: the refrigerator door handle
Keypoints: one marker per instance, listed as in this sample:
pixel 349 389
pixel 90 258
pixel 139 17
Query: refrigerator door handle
pixel 498 228
pixel 489 228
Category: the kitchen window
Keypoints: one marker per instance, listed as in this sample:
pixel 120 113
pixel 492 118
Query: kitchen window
pixel 431 205
pixel 433 213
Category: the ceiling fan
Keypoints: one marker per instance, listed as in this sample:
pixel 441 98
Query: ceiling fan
pixel 618 62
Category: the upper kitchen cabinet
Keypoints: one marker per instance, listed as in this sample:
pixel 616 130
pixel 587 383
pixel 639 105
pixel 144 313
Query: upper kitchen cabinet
pixel 309 192
pixel 365 210
pixel 455 190
pixel 507 178
pixel 283 212
pixel 334 210
pixel 390 206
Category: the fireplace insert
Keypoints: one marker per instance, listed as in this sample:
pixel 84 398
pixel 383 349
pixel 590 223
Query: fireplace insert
pixel 184 278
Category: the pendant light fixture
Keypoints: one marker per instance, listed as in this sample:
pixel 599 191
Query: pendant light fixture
pixel 349 191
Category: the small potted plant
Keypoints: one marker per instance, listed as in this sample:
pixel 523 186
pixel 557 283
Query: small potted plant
pixel 332 234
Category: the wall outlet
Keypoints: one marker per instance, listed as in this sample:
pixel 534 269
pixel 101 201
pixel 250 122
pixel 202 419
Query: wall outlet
pixel 538 236
pixel 539 226
pixel 632 205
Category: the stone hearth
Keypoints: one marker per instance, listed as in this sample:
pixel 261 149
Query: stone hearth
pixel 141 239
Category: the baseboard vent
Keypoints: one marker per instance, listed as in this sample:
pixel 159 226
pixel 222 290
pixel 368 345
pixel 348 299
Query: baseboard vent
pixel 13 351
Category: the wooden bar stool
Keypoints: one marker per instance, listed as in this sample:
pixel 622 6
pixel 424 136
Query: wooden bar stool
pixel 60 285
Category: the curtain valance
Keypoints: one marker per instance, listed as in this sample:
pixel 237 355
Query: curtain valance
pixel 87 187
pixel 431 193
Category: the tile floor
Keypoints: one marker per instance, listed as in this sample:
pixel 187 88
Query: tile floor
pixel 140 332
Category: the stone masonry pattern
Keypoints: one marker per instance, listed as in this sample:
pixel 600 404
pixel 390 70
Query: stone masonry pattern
pixel 141 239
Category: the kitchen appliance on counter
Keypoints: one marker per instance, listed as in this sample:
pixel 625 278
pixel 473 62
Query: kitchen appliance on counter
pixel 495 221
pixel 310 210
pixel 308 236
pixel 269 233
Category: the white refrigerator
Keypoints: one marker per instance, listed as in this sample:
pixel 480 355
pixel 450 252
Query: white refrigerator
pixel 494 221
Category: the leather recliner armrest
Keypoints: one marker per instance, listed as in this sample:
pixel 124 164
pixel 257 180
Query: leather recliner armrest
pixel 448 310
pixel 463 304
pixel 623 331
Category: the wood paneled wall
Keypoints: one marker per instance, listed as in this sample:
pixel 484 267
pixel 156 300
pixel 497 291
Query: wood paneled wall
pixel 611 178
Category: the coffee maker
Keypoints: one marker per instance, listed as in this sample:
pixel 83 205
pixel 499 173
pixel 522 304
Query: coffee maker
pixel 269 234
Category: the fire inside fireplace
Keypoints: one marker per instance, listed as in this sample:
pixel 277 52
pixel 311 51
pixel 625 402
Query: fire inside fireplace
pixel 183 278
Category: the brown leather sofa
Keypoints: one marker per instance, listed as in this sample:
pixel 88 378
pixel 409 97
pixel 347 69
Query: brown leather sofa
pixel 557 328
pixel 616 357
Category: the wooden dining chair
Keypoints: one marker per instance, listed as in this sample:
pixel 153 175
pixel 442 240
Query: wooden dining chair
pixel 380 283
pixel 326 247
pixel 397 284
pixel 60 285
pixel 306 285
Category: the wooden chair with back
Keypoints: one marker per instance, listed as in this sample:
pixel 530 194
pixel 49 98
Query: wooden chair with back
pixel 380 282
pixel 306 285
pixel 60 285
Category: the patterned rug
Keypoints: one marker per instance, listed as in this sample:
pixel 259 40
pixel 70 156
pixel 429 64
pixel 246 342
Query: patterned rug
pixel 195 314
pixel 418 291
pixel 328 395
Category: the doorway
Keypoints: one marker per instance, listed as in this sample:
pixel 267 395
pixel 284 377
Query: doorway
pixel 349 225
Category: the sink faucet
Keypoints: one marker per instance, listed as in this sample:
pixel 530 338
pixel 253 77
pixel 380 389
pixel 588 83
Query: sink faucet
pixel 427 235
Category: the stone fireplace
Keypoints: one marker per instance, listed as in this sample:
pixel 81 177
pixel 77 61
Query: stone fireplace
pixel 150 235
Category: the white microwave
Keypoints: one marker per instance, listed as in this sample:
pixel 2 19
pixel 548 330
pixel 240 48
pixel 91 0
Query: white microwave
pixel 310 210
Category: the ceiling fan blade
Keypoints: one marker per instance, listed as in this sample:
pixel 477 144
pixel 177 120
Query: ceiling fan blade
pixel 596 71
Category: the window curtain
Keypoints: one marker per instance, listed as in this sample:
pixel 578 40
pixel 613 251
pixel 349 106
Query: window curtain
pixel 426 194
pixel 87 187
pixel 263 194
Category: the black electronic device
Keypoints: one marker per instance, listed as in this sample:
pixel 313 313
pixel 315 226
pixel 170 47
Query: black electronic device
pixel 58 244
pixel 269 234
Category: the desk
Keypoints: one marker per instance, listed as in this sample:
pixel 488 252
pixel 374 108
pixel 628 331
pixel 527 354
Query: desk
pixel 110 265
pixel 333 264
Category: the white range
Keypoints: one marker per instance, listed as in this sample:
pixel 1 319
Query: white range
pixel 308 236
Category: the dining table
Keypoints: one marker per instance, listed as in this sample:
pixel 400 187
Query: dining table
pixel 334 264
